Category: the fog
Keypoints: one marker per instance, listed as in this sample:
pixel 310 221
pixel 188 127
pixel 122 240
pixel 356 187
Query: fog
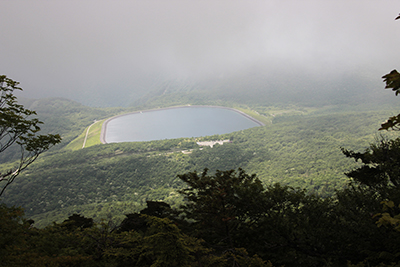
pixel 116 51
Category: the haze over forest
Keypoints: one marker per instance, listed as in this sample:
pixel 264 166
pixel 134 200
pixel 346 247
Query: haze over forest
pixel 115 53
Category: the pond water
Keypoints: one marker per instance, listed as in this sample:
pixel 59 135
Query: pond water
pixel 170 123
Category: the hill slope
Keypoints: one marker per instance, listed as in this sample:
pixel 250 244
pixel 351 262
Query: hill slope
pixel 299 150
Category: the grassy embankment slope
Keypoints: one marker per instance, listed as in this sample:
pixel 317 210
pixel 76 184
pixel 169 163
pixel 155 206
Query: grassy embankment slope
pixel 89 137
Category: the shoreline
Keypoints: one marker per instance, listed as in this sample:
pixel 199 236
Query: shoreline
pixel 104 126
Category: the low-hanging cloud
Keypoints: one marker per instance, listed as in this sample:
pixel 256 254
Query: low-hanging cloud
pixel 80 48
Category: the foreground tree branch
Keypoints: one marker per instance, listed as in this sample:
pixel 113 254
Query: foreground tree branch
pixel 19 127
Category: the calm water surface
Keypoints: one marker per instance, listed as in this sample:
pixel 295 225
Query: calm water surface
pixel 175 123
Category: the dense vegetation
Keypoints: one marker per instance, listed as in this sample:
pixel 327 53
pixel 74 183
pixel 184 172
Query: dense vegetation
pixel 299 210
pixel 227 219
pixel 300 148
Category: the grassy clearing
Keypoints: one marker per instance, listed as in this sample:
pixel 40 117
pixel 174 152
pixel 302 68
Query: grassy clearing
pixel 256 115
pixel 94 134
pixel 93 137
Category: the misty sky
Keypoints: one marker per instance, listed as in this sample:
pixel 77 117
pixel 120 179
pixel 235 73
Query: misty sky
pixel 82 48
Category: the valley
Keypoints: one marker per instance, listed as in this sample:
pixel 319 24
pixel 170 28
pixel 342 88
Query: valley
pixel 299 147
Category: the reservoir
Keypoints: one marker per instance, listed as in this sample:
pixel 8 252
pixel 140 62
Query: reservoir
pixel 177 122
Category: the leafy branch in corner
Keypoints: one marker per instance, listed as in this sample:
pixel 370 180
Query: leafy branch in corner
pixel 19 127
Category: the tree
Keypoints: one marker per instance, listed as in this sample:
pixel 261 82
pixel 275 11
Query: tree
pixel 76 221
pixel 11 232
pixel 150 238
pixel 392 81
pixel 19 127
pixel 232 210
pixel 378 181
pixel 381 161
pixel 380 168
pixel 222 205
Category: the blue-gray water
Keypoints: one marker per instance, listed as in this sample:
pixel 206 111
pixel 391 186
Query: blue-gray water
pixel 175 123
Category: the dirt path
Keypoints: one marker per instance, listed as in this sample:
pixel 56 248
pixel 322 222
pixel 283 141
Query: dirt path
pixel 87 132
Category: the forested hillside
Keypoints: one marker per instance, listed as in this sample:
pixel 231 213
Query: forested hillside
pixel 299 147
pixel 143 194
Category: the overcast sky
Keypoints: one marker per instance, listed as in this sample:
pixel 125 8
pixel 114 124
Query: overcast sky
pixel 59 48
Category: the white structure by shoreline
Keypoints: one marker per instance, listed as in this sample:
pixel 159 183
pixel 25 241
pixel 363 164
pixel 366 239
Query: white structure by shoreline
pixel 212 143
